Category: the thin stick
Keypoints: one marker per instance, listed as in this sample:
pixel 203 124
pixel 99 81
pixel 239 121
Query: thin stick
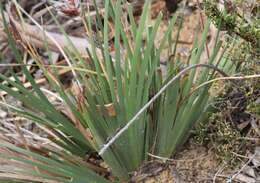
pixel 217 173
pixel 254 76
pixel 177 160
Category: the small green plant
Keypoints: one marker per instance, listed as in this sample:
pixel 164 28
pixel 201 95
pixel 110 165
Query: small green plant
pixel 128 89
pixel 220 135
pixel 235 22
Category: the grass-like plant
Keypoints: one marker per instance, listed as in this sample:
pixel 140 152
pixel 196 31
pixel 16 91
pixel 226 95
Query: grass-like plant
pixel 111 90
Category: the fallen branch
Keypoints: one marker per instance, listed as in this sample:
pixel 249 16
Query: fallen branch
pixel 38 37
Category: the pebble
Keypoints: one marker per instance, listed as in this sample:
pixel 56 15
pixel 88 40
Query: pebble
pixel 3 114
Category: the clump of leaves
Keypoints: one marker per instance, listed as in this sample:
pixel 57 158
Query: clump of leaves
pixel 125 105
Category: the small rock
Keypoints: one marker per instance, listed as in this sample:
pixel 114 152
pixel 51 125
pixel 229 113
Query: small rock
pixel 249 171
pixel 244 178
pixel 257 101
pixel 171 5
pixel 258 179
pixel 3 114
pixel 256 159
